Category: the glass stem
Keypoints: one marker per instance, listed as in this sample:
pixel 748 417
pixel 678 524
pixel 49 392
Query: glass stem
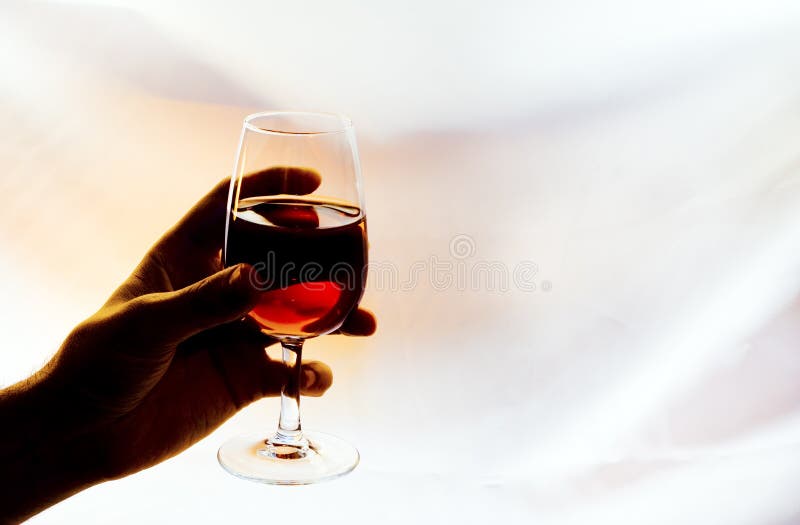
pixel 289 431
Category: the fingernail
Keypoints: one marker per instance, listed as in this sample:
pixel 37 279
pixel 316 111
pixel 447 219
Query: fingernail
pixel 241 277
pixel 309 377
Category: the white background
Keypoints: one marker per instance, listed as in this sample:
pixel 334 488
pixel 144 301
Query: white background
pixel 643 155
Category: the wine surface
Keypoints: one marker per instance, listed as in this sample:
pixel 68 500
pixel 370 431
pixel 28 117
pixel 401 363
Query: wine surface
pixel 309 257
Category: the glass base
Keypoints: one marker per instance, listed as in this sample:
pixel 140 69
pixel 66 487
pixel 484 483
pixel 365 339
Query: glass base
pixel 250 457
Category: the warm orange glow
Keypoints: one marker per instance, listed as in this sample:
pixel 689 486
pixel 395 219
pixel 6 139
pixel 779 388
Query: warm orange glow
pixel 294 310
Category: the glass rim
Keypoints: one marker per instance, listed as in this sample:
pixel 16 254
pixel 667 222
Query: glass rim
pixel 344 121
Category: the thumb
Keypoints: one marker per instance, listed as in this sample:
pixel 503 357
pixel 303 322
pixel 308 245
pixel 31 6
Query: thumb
pixel 219 298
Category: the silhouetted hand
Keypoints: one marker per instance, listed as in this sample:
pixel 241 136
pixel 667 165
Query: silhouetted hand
pixel 164 362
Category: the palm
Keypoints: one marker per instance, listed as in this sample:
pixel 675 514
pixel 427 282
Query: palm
pixel 211 376
pixel 185 398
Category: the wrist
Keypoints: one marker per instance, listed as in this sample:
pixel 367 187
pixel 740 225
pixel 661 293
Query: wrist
pixel 42 458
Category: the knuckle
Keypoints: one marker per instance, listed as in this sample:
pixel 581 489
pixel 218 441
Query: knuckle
pixel 138 316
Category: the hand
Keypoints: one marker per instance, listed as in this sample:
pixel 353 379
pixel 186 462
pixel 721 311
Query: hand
pixel 168 358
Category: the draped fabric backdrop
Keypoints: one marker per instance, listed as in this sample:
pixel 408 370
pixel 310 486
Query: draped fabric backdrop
pixel 583 219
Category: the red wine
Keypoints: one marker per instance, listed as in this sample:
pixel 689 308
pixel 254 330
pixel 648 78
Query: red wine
pixel 309 258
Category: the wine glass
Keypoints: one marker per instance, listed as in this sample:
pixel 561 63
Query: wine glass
pixel 296 214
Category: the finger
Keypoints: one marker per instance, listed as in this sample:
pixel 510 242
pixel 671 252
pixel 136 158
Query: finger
pixel 204 225
pixel 175 316
pixel 237 351
pixel 317 378
pixel 360 322
pixel 289 180
pixel 243 332
pixel 247 371
pixel 249 374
